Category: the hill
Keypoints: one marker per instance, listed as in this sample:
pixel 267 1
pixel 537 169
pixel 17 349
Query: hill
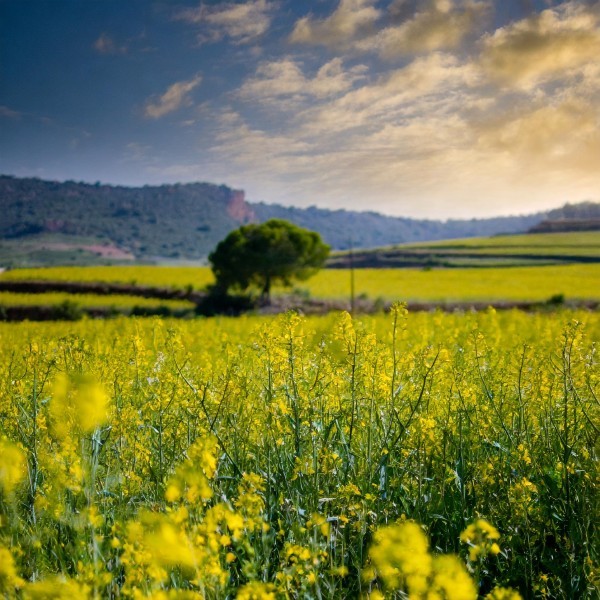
pixel 48 222
pixel 117 223
pixel 343 229
pixel 571 217
pixel 498 251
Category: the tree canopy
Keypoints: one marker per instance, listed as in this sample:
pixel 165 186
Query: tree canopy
pixel 262 254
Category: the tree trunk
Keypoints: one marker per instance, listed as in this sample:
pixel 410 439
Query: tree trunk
pixel 266 292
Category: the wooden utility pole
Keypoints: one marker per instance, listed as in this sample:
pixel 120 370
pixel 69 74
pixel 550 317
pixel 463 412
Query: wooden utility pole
pixel 351 278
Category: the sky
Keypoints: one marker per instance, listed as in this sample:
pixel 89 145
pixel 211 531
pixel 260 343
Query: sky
pixel 418 108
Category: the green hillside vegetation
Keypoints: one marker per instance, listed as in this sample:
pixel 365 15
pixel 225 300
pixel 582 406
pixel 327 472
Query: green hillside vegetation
pixel 343 229
pixel 170 221
pixel 46 223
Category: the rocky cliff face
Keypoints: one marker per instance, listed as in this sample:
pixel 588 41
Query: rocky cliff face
pixel 239 209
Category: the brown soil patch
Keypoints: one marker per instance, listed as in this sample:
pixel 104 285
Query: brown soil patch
pixel 103 250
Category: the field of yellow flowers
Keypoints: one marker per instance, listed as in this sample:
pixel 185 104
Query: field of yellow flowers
pixel 533 283
pixel 423 456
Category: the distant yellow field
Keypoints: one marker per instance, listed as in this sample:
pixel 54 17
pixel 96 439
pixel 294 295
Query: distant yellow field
pixel 180 277
pixel 580 281
pixel 88 300
pixel 518 283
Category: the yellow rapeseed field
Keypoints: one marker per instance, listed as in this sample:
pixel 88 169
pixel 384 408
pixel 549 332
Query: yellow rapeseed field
pixel 577 281
pixel 423 456
pixel 89 300
pixel 474 284
pixel 182 277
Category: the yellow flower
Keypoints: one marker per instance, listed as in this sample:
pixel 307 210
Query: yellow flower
pixel 78 403
pixel 320 521
pixel 191 479
pixel 12 466
pixel 500 593
pixel 172 493
pixel 451 580
pixel 9 579
pixel 55 588
pixel 293 553
pixel 170 595
pixel 168 545
pixel 95 519
pixel 479 536
pixel 257 590
pixel 401 557
pixel 235 523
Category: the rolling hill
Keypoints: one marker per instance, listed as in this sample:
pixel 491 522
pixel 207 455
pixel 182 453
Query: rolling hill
pixel 48 222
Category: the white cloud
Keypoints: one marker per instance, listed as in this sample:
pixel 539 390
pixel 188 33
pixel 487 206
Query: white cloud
pixel 360 25
pixel 283 80
pixel 242 23
pixel 431 139
pixel 9 113
pixel 176 96
pixel 439 25
pixel 140 153
pixel 450 134
pixel 543 47
pixel 105 44
pixel 395 95
pixel 427 166
pixel 351 19
pixel 247 144
pixel 549 137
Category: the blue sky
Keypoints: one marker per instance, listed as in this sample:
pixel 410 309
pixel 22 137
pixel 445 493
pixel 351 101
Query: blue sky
pixel 423 108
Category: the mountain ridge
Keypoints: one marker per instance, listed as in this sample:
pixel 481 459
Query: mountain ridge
pixel 186 221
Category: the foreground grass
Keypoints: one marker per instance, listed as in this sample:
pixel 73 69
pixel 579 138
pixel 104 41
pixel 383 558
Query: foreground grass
pixel 283 458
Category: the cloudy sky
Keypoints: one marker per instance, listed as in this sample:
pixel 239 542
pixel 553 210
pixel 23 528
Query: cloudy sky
pixel 423 108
